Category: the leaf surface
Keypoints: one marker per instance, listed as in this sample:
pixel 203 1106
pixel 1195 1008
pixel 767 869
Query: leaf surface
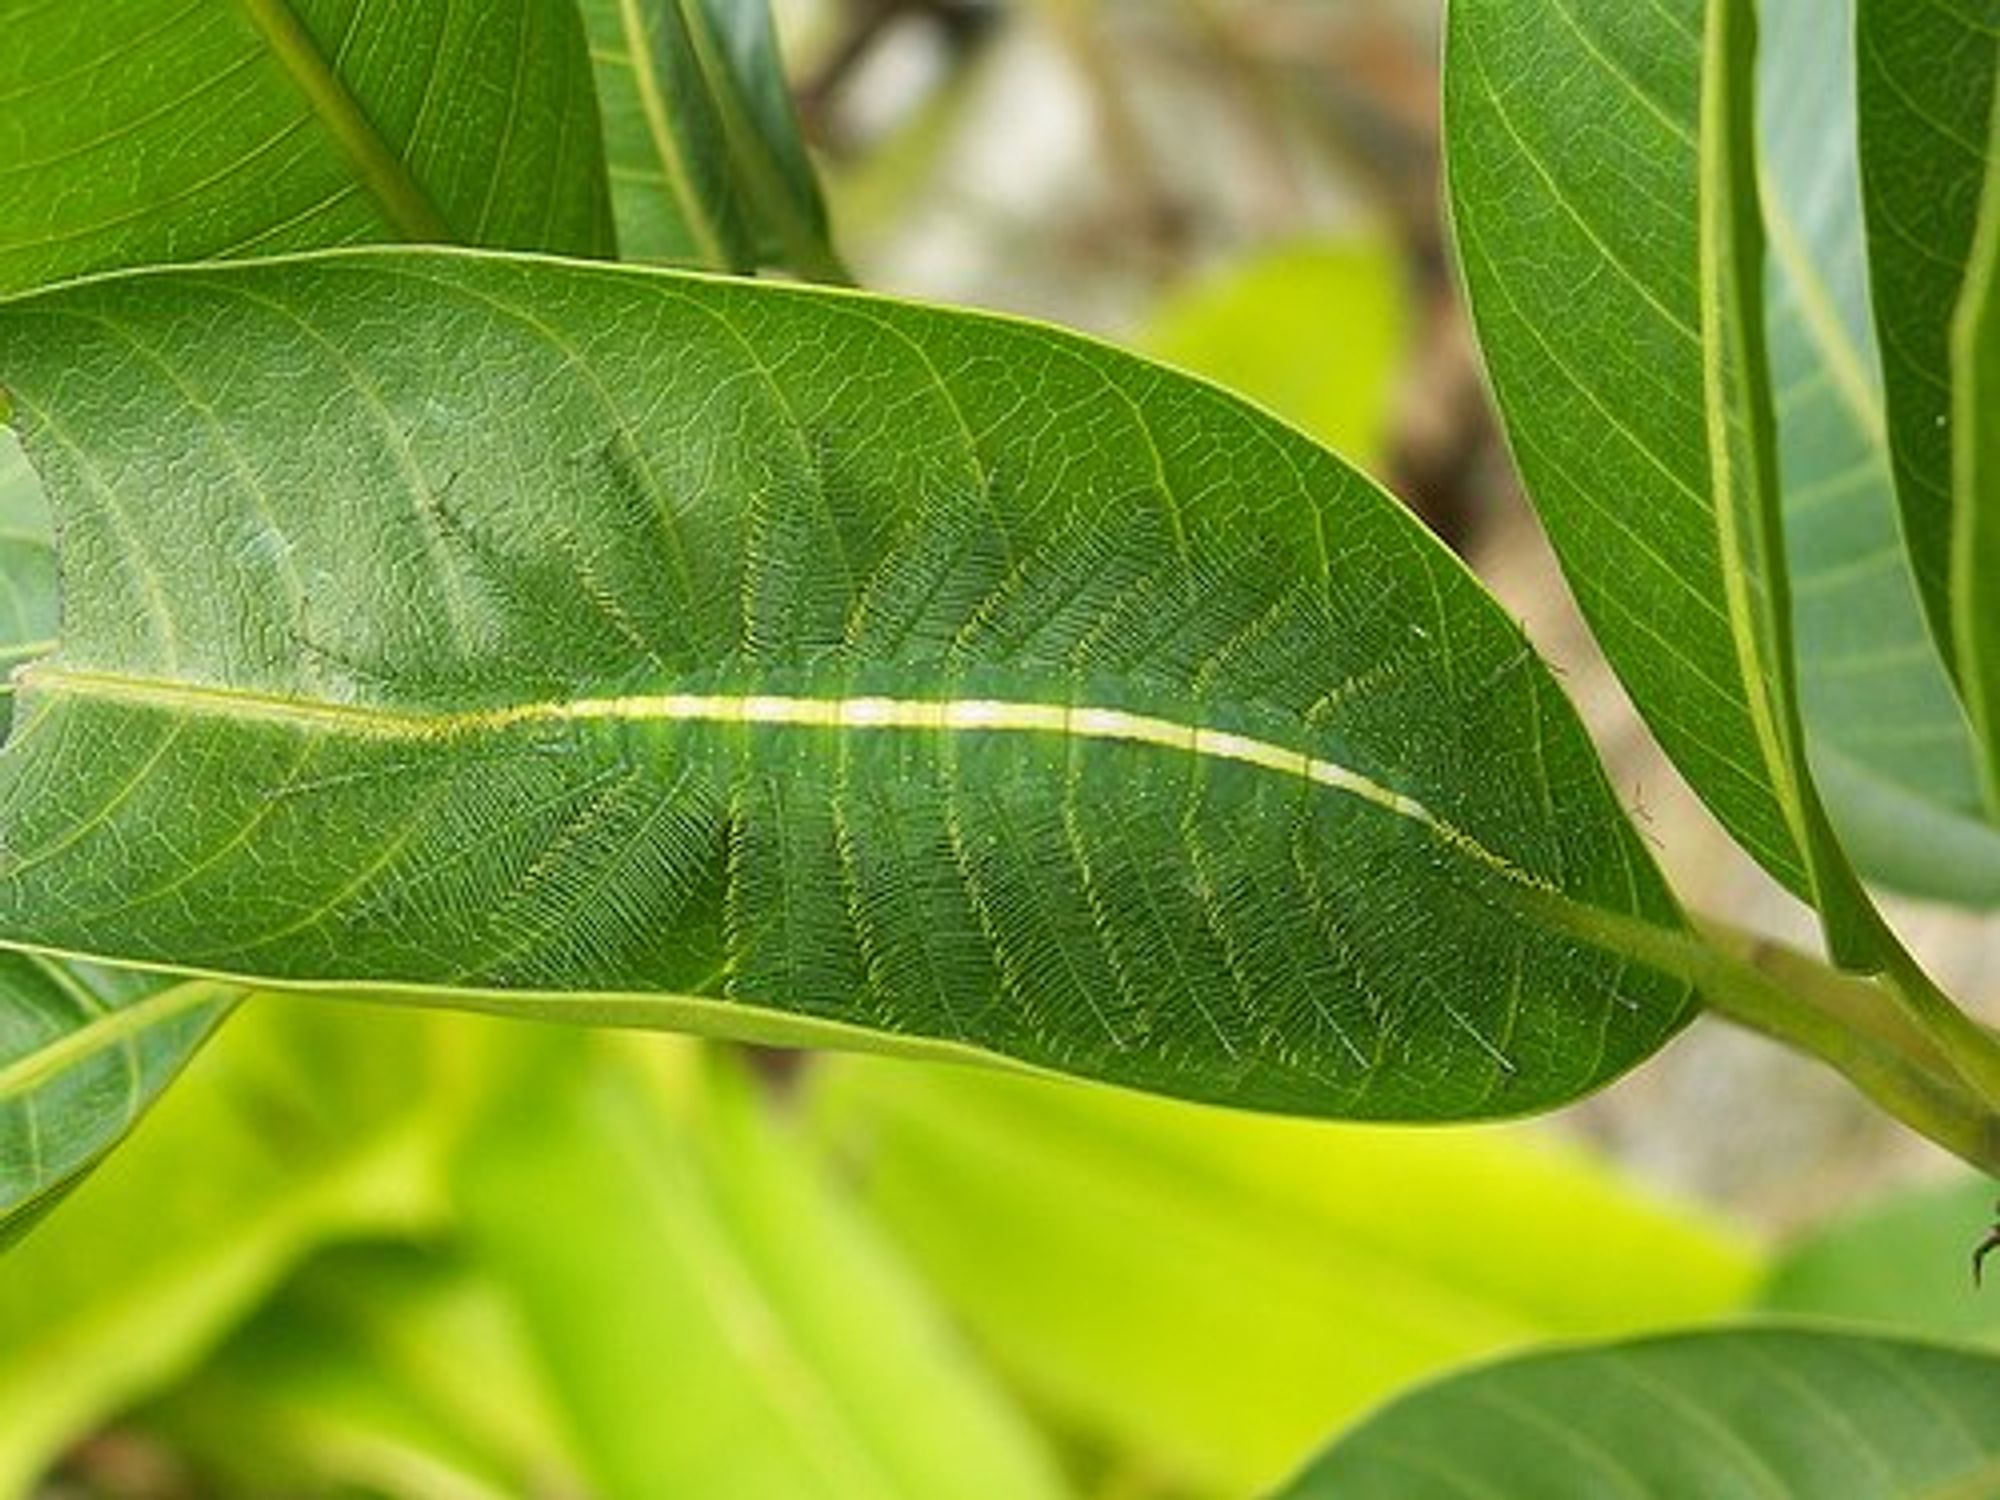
pixel 616 645
pixel 1925 74
pixel 1738 1414
pixel 195 132
pixel 1888 736
pixel 707 165
pixel 27 568
pixel 1201 1296
pixel 1604 198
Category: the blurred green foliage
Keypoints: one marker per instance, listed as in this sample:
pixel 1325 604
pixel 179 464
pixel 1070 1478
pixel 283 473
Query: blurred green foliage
pixel 1202 1294
pixel 1313 330
pixel 552 1263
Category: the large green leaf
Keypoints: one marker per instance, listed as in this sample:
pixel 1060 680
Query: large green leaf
pixel 1604 197
pixel 1752 1414
pixel 1887 734
pixel 301 1121
pixel 712 1320
pixel 1201 1296
pixel 616 645
pixel 1925 81
pixel 707 167
pixel 191 132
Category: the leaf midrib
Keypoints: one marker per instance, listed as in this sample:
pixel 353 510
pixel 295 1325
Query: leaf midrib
pixel 1843 356
pixel 944 716
pixel 102 1031
pixel 407 205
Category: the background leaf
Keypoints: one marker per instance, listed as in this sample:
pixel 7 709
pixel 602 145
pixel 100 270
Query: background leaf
pixel 1925 76
pixel 663 688
pixel 381 1368
pixel 1888 736
pixel 83 1052
pixel 707 166
pixel 711 1319
pixel 213 131
pixel 1899 1263
pixel 1199 1296
pixel 1703 1416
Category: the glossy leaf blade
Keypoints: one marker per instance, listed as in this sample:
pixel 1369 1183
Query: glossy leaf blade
pixel 1887 735
pixel 210 131
pixel 1925 73
pixel 1774 1413
pixel 707 166
pixel 1314 1269
pixel 1610 241
pixel 628 646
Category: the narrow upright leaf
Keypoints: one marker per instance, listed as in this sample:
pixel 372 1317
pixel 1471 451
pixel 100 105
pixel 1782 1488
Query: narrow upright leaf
pixel 1604 193
pixel 1749 1414
pixel 1887 735
pixel 1925 74
pixel 1975 374
pixel 707 166
pixel 627 646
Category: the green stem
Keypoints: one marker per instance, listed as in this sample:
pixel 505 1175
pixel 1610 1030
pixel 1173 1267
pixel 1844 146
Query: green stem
pixel 1929 1077
pixel 1863 1028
